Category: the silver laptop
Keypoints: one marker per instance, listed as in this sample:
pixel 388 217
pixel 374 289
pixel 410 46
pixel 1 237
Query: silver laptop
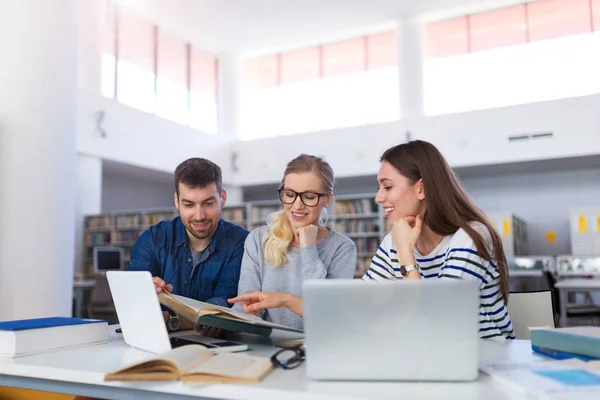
pixel 418 330
pixel 141 319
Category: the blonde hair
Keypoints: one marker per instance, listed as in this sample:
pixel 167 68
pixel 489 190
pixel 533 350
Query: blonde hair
pixel 281 235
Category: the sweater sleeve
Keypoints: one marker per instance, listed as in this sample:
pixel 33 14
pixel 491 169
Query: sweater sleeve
pixel 250 272
pixel 343 262
pixel 341 266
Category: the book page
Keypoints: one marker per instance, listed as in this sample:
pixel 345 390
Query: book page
pixel 175 361
pixel 191 309
pixel 187 357
pixel 234 366
pixel 207 308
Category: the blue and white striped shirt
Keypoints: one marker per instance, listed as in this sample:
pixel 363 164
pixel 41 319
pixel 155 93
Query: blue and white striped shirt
pixel 454 258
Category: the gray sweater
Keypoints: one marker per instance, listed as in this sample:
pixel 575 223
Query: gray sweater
pixel 333 258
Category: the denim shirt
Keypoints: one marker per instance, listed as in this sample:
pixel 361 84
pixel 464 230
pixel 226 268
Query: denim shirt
pixel 163 250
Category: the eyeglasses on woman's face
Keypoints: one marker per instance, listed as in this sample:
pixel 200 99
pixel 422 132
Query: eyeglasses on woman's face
pixel 309 198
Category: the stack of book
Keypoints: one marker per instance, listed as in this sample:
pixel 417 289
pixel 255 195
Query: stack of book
pixel 41 335
pixel 581 342
pixel 573 372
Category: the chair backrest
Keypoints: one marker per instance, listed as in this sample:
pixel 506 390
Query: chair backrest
pixel 531 309
pixel 101 304
pixel 101 295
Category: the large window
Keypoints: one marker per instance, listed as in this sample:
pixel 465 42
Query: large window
pixel 538 51
pixel 148 68
pixel 348 83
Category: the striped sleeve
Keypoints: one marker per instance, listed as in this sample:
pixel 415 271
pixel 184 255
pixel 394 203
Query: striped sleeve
pixel 384 264
pixel 463 262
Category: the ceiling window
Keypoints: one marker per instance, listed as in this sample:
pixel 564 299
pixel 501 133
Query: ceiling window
pixel 171 78
pixel 203 91
pixel 347 83
pixel 531 52
pixel 149 68
pixel 135 61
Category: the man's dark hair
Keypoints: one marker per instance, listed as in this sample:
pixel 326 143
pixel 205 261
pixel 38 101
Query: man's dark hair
pixel 198 172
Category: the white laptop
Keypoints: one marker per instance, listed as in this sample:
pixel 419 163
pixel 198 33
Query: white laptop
pixel 141 319
pixel 417 330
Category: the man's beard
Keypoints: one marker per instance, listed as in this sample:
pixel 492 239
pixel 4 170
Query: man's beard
pixel 203 234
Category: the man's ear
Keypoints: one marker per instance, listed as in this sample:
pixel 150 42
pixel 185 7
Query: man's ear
pixel 223 197
pixel 176 200
pixel 420 189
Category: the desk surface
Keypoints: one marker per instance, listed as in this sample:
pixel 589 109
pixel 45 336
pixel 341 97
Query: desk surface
pixel 80 371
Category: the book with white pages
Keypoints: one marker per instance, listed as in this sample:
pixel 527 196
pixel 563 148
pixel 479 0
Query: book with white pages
pixel 549 379
pixel 40 335
pixel 206 314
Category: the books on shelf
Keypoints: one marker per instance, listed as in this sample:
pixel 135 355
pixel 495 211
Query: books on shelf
pixel 260 213
pixel 99 222
pixel 40 335
pixel 206 314
pixel 357 216
pixel 156 217
pixel 355 206
pixel 195 363
pixel 128 221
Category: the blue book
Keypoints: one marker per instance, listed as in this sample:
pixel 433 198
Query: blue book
pixel 40 335
pixel 560 355
pixel 581 340
pixel 37 323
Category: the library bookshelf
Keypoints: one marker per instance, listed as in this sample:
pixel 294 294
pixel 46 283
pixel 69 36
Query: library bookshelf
pixel 356 216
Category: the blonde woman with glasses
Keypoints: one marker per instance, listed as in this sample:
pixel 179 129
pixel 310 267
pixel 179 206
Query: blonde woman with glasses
pixel 295 245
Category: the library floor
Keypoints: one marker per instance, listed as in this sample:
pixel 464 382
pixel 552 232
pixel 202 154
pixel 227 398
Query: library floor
pixel 24 394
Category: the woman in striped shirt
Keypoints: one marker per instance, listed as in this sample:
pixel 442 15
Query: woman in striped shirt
pixel 438 233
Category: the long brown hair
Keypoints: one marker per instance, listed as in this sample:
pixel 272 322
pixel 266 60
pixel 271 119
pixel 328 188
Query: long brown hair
pixel 447 205
pixel 280 234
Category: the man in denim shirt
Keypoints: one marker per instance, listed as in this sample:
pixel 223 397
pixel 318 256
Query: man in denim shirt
pixel 197 254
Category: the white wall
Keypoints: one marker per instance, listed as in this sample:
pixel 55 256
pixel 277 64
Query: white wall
pixel 542 199
pixel 137 138
pixel 466 139
pixel 89 196
pixel 121 193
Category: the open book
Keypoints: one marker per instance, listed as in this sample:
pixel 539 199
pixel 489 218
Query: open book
pixel 195 363
pixel 219 317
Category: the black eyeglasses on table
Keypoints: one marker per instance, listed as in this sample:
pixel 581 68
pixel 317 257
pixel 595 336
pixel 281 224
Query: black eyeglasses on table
pixel 309 199
pixel 289 358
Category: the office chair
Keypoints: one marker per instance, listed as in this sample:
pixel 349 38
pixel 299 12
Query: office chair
pixel 101 304
pixel 531 309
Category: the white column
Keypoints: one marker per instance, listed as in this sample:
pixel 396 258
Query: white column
pixel 410 67
pixel 229 95
pixel 38 81
pixel 91 33
pixel 89 200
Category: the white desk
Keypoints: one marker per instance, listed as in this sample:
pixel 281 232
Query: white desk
pixel 79 287
pixel 573 285
pixel 80 371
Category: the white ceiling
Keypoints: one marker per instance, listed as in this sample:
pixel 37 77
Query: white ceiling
pixel 249 26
